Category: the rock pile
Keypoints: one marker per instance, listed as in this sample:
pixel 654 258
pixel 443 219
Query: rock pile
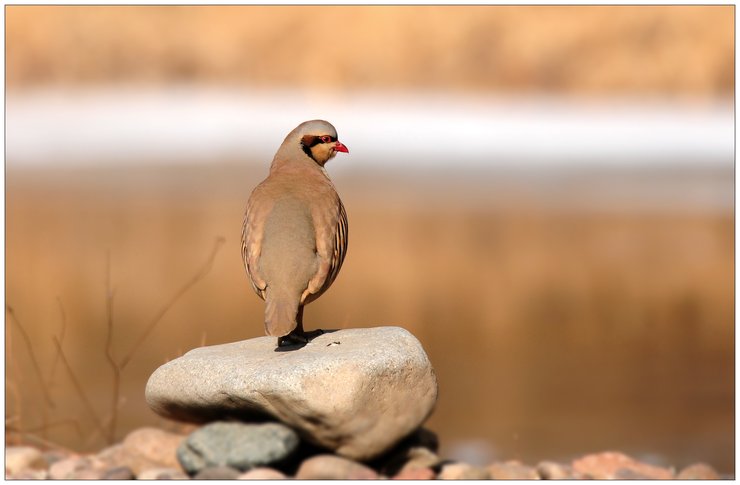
pixel 406 461
pixel 355 392
pixel 348 405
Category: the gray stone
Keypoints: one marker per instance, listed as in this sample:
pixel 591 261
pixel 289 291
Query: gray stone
pixel 331 467
pixel 355 391
pixel 18 458
pixel 238 445
pixel 217 473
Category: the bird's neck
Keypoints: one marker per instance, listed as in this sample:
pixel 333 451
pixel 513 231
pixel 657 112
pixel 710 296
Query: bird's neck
pixel 296 163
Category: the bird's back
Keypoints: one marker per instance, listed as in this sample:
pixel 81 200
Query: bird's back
pixel 288 259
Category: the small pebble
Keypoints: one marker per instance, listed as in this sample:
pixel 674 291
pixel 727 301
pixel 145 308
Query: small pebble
pixel 629 474
pixel 118 473
pixel 146 448
pixel 415 474
pixel 512 470
pixel 698 471
pixel 161 474
pixel 88 474
pixel 18 458
pixel 604 466
pixel 462 471
pixel 332 467
pixel 53 456
pixel 29 474
pixel 262 473
pixel 549 470
pixel 67 468
pixel 217 473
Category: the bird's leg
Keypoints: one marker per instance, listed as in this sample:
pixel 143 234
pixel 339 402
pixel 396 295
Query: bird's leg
pixel 298 335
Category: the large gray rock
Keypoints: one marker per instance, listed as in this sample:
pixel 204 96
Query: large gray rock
pixel 237 445
pixel 355 391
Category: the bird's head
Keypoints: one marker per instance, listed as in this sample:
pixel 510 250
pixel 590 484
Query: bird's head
pixel 318 140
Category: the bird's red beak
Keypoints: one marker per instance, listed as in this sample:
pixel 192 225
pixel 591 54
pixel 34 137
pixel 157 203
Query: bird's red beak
pixel 341 148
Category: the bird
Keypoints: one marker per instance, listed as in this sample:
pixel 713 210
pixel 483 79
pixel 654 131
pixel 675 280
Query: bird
pixel 294 233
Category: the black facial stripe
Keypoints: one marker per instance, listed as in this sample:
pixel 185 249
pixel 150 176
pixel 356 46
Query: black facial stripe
pixel 309 141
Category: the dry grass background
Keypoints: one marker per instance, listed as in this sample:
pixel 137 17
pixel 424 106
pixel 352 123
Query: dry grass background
pixel 553 332
pixel 665 50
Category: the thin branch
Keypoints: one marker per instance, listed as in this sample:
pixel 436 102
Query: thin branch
pixel 12 390
pixel 53 424
pixel 62 332
pixel 158 317
pixel 47 443
pixel 109 294
pixel 79 389
pixel 34 361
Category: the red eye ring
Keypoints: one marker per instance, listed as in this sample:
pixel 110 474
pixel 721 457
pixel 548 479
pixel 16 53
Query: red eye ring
pixel 326 138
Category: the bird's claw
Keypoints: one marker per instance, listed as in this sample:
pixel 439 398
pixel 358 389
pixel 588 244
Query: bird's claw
pixel 299 338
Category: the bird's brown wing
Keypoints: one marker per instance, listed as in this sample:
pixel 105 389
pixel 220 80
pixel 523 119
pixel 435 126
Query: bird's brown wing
pixel 340 245
pixel 252 232
pixel 331 246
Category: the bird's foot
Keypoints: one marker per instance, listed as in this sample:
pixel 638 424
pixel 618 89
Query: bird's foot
pixel 292 339
pixel 298 338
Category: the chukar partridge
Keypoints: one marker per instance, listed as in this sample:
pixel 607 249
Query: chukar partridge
pixel 294 235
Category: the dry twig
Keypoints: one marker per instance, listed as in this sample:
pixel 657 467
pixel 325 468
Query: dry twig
pixel 32 354
pixel 79 389
pixel 158 317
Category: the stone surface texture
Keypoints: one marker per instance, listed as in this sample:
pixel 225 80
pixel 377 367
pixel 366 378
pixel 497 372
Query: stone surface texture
pixel 355 391
pixel 237 445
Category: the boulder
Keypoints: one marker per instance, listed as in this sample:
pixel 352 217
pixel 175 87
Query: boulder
pixel 357 392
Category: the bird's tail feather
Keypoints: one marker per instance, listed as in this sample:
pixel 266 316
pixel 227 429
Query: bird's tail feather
pixel 280 315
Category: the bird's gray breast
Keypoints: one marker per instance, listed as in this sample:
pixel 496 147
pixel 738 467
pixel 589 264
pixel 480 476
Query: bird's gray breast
pixel 288 259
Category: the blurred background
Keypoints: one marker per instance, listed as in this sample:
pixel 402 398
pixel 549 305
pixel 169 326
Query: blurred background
pixel 542 195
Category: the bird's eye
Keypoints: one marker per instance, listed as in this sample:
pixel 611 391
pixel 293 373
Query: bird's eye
pixel 326 138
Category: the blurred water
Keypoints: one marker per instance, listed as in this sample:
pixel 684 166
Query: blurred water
pixel 103 126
